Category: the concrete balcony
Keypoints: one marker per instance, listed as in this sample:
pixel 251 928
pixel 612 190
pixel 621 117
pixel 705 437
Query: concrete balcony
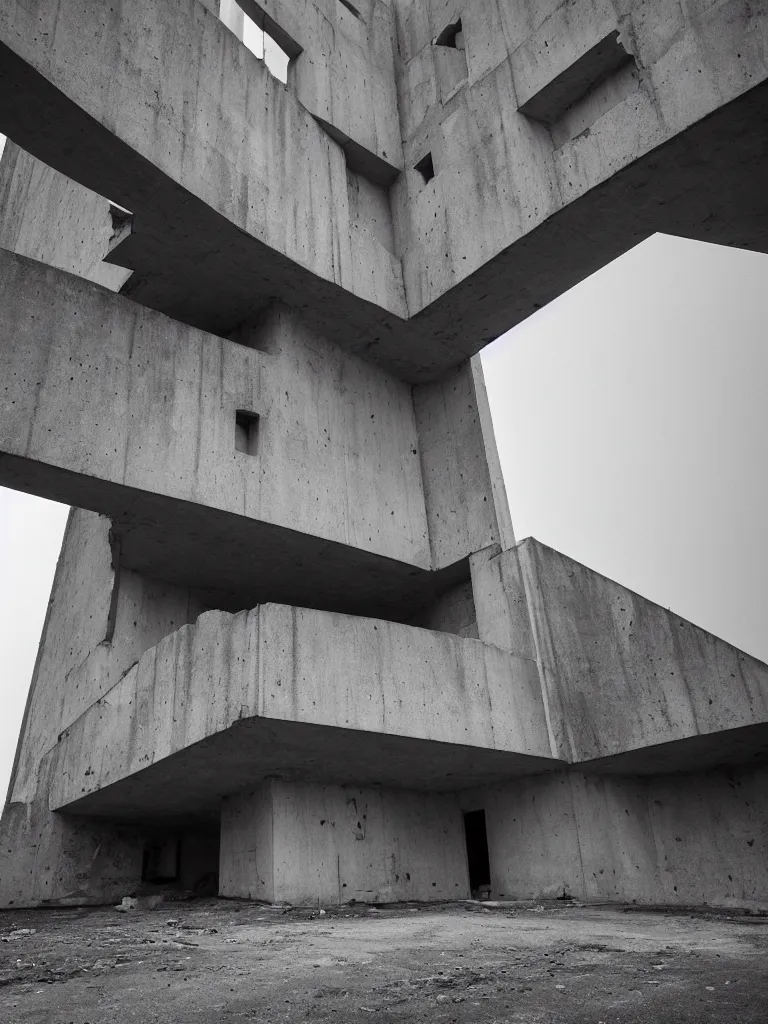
pixel 304 696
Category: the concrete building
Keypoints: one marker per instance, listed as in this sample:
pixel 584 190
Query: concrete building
pixel 292 641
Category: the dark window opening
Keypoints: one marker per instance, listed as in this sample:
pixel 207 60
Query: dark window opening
pixel 451 36
pixel 477 854
pixel 426 168
pixel 246 432
pixel 161 861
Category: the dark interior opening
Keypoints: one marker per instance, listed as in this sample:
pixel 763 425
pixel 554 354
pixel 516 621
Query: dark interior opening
pixel 477 854
pixel 246 431
pixel 426 168
pixel 452 36
pixel 161 861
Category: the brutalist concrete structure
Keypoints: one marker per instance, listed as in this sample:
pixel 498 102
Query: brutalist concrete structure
pixel 292 641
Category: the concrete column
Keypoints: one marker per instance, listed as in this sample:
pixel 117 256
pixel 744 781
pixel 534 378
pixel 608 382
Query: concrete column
pixel 308 843
pixel 463 487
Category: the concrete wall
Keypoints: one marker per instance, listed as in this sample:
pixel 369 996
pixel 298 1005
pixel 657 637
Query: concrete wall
pixel 310 844
pixel 463 487
pixel 678 839
pixel 111 391
pixel 193 113
pixel 345 72
pixel 48 858
pixel 499 173
pixel 339 451
pixel 621 672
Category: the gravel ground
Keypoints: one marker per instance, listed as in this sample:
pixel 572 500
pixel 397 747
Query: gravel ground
pixel 217 961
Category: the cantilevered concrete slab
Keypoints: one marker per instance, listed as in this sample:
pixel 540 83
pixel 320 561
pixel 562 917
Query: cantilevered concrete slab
pixel 301 695
pixel 423 277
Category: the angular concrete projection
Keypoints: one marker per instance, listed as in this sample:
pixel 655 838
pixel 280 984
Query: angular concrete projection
pixel 291 631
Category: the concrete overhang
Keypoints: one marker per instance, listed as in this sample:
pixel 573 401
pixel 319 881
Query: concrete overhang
pixel 203 253
pixel 95 389
pixel 299 694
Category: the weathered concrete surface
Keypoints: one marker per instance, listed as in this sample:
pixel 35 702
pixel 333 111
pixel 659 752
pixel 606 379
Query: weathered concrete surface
pixel 629 681
pixel 688 838
pixel 312 844
pixel 124 395
pixel 306 695
pixel 213 243
pixel 466 503
pixel 81 655
pixel 93 415
pixel 49 858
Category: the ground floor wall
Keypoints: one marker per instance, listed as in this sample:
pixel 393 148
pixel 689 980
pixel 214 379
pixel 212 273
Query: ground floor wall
pixel 697 838
pixel 307 843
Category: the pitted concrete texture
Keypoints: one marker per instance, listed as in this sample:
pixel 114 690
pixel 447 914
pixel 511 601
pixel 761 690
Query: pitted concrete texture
pixel 305 695
pixel 630 685
pixel 315 844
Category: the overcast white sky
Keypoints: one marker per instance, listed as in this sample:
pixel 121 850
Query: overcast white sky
pixel 632 425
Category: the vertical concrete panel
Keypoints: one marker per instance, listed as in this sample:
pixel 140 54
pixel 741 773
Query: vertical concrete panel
pixel 332 844
pixel 246 866
pixel 620 672
pixel 533 843
pixel 500 601
pixel 338 444
pixel 616 841
pixel 459 488
pixel 711 831
pixel 75 625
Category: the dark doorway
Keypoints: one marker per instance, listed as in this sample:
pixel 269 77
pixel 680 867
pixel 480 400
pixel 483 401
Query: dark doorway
pixel 477 853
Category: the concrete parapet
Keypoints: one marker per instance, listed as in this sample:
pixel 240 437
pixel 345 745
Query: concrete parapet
pixel 306 694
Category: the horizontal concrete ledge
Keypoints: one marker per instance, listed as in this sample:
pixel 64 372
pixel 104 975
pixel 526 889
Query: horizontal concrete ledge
pixel 725 748
pixel 231 561
pixel 305 694
pixel 188 787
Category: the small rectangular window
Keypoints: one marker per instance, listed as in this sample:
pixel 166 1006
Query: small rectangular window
pixel 246 432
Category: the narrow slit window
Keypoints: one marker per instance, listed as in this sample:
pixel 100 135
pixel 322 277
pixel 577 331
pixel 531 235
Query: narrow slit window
pixel 246 432
pixel 261 35
pixel 352 8
pixel 426 168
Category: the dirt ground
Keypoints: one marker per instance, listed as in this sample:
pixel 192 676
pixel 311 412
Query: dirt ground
pixel 223 961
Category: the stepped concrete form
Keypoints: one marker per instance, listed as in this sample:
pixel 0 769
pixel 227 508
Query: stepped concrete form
pixel 292 642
